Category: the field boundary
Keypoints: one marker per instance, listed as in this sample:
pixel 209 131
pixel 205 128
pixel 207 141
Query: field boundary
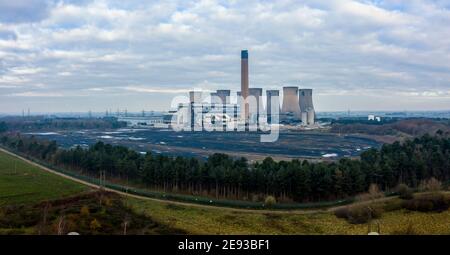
pixel 184 200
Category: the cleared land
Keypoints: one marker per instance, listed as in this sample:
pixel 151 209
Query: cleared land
pixel 23 183
pixel 201 144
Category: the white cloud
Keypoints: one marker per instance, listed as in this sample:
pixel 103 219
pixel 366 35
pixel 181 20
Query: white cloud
pixel 340 47
pixel 151 89
pixel 36 94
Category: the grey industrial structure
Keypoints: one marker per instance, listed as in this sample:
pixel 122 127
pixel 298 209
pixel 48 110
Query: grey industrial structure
pixel 297 105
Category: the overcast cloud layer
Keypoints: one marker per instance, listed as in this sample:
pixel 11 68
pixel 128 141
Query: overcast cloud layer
pixel 360 55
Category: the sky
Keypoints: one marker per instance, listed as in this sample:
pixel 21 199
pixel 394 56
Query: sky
pixel 80 55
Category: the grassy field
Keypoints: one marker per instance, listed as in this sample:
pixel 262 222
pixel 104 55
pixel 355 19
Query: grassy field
pixel 216 221
pixel 22 183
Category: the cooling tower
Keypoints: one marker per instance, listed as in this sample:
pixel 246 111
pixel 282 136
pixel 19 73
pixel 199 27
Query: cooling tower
pixel 275 96
pixel 239 98
pixel 305 99
pixel 270 94
pixel 304 118
pixel 255 104
pixel 244 84
pixel 311 116
pixel 215 99
pixel 306 105
pixel 224 95
pixel 290 101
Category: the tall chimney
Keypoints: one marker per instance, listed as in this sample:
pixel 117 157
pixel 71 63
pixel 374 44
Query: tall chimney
pixel 244 85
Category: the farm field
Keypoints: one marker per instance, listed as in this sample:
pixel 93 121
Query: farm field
pixel 22 183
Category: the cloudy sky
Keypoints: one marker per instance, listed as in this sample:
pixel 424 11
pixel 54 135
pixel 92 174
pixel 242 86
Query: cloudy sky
pixel 94 55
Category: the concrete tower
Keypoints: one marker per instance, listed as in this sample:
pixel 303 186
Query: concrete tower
pixel 290 101
pixel 275 96
pixel 195 96
pixel 244 85
pixel 224 95
pixel 215 98
pixel 306 105
pixel 255 94
pixel 239 98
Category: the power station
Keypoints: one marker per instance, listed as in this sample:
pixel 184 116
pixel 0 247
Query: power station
pixel 297 104
pixel 248 110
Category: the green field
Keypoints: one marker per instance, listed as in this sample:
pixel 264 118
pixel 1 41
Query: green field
pixel 23 183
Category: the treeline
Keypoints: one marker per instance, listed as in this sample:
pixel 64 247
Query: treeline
pixel 41 123
pixel 221 176
pixel 3 127
pixel 412 127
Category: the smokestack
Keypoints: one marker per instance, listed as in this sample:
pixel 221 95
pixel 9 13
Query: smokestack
pixel 244 85
pixel 290 101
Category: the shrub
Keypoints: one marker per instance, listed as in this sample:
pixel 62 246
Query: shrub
pixel 435 202
pixel 404 191
pixel 95 224
pixel 341 212
pixel 270 201
pixel 359 214
pixel 84 211
pixel 431 184
pixel 372 193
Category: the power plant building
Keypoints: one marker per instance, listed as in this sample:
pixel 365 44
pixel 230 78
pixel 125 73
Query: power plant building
pixel 255 103
pixel 244 85
pixel 290 102
pixel 272 95
pixel 224 95
pixel 297 105
pixel 306 106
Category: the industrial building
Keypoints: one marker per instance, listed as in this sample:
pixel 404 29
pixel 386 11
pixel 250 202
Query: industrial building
pixel 306 106
pixel 297 105
pixel 248 110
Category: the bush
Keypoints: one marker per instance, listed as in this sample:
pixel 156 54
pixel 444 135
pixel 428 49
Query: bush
pixel 404 192
pixel 270 201
pixel 372 193
pixel 94 225
pixel 341 213
pixel 435 202
pixel 431 184
pixel 84 211
pixel 359 214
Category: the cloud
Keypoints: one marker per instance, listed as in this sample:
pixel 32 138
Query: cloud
pixel 143 89
pixel 354 50
pixel 36 94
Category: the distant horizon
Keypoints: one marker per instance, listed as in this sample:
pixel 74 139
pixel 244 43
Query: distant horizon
pixel 114 112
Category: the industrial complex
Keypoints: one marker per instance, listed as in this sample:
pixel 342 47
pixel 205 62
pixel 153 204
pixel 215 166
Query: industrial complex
pixel 247 109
